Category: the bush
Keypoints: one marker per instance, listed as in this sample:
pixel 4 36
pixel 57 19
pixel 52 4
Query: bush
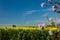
pixel 13 25
pixel 19 34
pixel 50 26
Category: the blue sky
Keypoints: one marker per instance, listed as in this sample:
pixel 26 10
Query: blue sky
pixel 24 12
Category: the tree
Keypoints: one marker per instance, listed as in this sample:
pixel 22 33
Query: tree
pixel 13 25
pixel 55 6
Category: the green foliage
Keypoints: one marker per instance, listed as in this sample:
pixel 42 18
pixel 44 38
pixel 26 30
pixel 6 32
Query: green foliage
pixel 13 25
pixel 19 34
pixel 50 26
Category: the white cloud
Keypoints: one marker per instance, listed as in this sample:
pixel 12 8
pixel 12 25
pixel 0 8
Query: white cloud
pixel 48 9
pixel 44 15
pixel 30 12
pixel 35 22
pixel 27 23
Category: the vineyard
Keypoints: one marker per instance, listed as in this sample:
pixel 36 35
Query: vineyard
pixel 28 33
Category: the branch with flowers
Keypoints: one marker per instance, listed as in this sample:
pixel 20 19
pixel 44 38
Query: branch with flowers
pixel 55 6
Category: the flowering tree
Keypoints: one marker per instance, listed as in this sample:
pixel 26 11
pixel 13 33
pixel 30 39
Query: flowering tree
pixel 55 6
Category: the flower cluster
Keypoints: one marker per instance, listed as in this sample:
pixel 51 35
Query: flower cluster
pixel 42 26
pixel 55 5
pixel 49 0
pixel 51 20
pixel 55 23
pixel 43 4
pixel 50 32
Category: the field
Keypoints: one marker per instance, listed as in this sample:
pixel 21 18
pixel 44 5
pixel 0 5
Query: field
pixel 28 28
pixel 28 33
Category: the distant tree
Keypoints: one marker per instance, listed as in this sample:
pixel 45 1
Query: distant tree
pixel 13 25
pixel 6 27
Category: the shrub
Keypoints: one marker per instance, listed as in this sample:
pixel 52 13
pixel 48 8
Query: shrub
pixel 13 25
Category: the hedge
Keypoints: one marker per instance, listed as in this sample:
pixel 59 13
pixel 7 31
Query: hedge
pixel 14 34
